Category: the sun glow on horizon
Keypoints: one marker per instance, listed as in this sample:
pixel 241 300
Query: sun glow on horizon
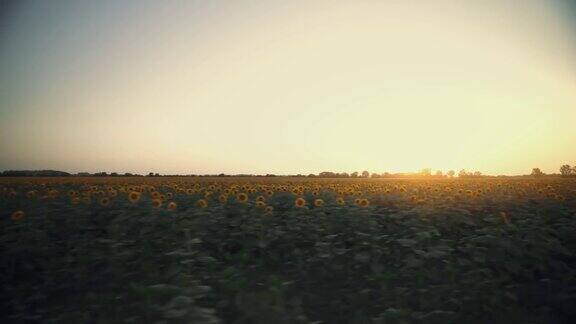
pixel 286 88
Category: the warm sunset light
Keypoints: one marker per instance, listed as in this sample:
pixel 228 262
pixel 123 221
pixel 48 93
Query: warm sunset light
pixel 287 87
pixel 288 162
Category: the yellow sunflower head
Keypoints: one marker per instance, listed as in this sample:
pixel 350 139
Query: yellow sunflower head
pixel 202 203
pixel 104 201
pixel 17 215
pixel 300 202
pixel 242 197
pixel 134 196
pixel 172 206
pixel 318 202
pixel 156 203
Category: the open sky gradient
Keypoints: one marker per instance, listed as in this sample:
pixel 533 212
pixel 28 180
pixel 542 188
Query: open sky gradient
pixel 287 86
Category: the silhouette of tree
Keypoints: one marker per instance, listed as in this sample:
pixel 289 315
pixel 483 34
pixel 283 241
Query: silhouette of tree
pixel 566 170
pixel 451 173
pixel 536 172
pixel 365 174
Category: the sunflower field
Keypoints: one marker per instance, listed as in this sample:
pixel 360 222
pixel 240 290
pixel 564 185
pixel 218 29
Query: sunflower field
pixel 287 250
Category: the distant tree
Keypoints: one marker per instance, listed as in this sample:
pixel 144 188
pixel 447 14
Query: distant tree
pixel 151 174
pixel 462 173
pixel 311 175
pixel 35 173
pixel 566 170
pixel 354 174
pixel 536 172
pixel 439 173
pixel 365 174
pixel 451 173
pixel 426 172
pixel 477 173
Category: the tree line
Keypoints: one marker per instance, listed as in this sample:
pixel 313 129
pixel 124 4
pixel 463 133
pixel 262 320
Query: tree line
pixel 565 171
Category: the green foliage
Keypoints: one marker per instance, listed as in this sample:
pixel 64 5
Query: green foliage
pixel 396 261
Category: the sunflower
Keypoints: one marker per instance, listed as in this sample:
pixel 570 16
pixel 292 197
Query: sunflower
pixel 155 195
pixel 504 217
pixel 53 193
pixel 260 198
pixel 300 202
pixel 242 198
pixel 17 215
pixel 134 196
pixel 260 204
pixel 169 195
pixel 269 193
pixel 104 201
pixel 223 198
pixel 340 201
pixel 202 203
pixel 357 201
pixel 364 202
pixel 75 200
pixel 31 194
pixel 172 206
pixel 156 203
pixel 318 202
pixel 269 209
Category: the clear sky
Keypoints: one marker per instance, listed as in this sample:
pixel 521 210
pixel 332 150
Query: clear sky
pixel 287 86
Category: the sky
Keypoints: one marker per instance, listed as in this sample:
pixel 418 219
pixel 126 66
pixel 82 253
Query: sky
pixel 286 87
